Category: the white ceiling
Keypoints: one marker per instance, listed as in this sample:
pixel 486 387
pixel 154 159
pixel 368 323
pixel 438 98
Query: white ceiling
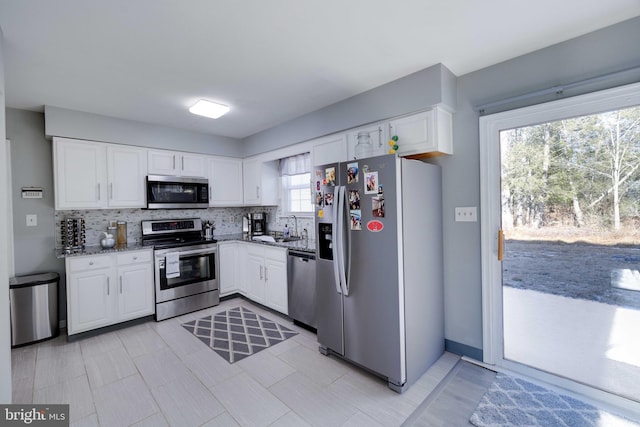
pixel 270 61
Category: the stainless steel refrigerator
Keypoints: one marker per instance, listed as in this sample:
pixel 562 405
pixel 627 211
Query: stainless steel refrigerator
pixel 379 272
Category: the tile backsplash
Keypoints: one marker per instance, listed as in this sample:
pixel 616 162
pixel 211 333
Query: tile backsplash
pixel 225 220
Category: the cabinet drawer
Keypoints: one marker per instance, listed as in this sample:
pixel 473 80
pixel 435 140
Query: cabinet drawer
pixel 84 263
pixel 277 254
pixel 134 257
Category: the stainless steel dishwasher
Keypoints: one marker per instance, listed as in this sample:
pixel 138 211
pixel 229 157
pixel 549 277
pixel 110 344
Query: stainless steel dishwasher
pixel 302 287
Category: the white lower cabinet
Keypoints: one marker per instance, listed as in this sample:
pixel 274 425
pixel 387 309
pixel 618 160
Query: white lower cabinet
pixel 240 269
pixel 229 268
pixel 262 274
pixel 275 278
pixel 106 289
pixel 254 268
pixel 136 296
pixel 90 293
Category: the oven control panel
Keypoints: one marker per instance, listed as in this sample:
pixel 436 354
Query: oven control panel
pixel 153 227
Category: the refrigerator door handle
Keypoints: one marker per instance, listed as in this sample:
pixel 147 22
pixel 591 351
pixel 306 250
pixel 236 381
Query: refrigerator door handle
pixel 342 214
pixel 335 243
pixel 347 247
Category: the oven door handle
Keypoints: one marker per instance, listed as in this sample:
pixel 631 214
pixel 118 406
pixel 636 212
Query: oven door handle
pixel 193 252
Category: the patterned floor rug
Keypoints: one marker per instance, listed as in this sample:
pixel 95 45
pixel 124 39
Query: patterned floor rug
pixel 515 402
pixel 238 333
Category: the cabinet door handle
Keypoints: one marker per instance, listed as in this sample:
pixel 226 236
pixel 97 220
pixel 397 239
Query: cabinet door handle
pixel 265 274
pixel 108 286
pixel 174 161
pixel 210 197
pixel 120 284
pixel 98 191
pixel 90 262
pixel 135 258
pixel 258 191
pixel 182 163
pixel 111 190
pixel 260 272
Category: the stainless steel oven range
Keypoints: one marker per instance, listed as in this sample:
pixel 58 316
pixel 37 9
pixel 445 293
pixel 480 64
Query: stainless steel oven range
pixel 186 266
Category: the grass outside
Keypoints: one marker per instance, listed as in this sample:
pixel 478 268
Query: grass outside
pixel 625 236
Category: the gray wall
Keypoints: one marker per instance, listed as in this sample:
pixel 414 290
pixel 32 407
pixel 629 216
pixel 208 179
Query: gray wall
pixel 595 54
pixel 412 93
pixel 94 127
pixel 32 166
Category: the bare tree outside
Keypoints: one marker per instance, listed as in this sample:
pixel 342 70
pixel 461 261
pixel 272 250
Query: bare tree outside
pixel 576 173
pixel 571 194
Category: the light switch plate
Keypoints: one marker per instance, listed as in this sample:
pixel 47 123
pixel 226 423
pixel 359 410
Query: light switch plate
pixel 32 220
pixel 467 214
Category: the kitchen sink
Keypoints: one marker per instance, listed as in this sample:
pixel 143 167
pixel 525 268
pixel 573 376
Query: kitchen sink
pixel 289 239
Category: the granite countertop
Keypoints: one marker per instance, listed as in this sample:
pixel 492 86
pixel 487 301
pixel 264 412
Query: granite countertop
pixel 304 245
pixel 97 250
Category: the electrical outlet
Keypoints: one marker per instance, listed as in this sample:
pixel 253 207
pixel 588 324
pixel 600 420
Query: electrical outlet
pixel 32 220
pixel 467 214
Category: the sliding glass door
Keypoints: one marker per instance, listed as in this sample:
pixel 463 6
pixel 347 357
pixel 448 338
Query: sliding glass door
pixel 570 192
pixel 563 211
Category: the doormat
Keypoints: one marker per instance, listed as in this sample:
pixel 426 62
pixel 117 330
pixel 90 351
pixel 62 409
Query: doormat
pixel 238 333
pixel 515 402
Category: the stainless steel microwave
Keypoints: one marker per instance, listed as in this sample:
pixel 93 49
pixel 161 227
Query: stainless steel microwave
pixel 173 192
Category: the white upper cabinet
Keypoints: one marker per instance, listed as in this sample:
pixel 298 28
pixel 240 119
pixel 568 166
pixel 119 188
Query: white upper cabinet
pixel 260 182
pixel 80 176
pixel 126 172
pixel 377 137
pixel 225 181
pixel 93 175
pixel 193 165
pixel 174 163
pixel 329 149
pixel 424 134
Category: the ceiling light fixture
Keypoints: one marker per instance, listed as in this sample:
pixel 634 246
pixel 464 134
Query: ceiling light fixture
pixel 209 109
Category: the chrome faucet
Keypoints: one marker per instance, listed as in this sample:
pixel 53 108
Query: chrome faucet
pixel 295 224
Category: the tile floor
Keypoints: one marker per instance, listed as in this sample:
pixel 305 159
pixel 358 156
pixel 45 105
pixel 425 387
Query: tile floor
pixel 158 374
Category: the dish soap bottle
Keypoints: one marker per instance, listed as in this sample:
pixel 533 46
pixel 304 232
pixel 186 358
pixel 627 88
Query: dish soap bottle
pixel 286 233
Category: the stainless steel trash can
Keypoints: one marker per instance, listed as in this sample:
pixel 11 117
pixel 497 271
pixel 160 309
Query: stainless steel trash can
pixel 34 308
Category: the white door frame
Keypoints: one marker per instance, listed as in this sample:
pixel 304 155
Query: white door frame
pixel 10 248
pixel 490 223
